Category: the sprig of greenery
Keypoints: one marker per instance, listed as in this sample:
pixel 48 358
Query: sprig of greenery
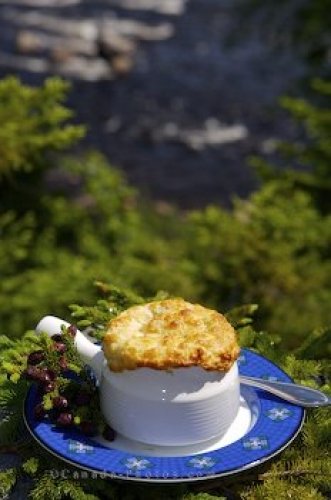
pixel 113 301
pixel 31 120
pixel 58 489
pixel 7 481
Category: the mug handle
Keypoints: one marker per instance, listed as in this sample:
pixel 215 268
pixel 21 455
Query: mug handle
pixel 90 353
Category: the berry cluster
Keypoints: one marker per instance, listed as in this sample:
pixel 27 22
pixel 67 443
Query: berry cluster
pixel 66 401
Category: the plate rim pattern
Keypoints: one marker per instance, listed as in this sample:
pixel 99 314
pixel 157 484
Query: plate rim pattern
pixel 138 468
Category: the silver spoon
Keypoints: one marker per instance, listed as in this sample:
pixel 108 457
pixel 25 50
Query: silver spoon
pixel 294 393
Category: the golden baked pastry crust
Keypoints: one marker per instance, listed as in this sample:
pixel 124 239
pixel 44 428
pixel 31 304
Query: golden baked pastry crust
pixel 170 333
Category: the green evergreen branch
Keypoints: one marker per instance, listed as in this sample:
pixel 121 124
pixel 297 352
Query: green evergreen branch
pixel 114 300
pixel 58 489
pixel 7 482
pixel 316 345
pixel 35 115
pixel 293 473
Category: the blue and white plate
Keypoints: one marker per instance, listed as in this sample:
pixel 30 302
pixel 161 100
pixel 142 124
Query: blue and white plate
pixel 265 426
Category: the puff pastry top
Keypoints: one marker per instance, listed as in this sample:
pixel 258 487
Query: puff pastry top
pixel 168 334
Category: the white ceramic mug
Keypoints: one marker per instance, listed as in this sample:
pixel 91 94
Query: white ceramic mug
pixel 177 407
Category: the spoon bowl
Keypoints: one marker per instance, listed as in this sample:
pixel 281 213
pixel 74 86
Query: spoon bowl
pixel 291 392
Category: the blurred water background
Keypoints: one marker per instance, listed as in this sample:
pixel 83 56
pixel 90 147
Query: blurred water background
pixel 177 93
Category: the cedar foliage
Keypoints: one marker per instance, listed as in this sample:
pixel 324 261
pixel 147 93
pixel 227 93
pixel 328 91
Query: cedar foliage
pixel 66 222
pixel 31 120
pixel 72 220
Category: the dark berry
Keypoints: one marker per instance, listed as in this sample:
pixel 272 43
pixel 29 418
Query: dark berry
pixel 57 337
pixel 48 387
pixel 52 415
pixel 39 411
pixel 60 347
pixel 63 364
pixel 88 428
pixel 72 330
pixel 82 398
pixel 36 357
pixel 60 402
pixel 32 373
pixel 109 433
pixel 320 379
pixel 46 375
pixel 65 419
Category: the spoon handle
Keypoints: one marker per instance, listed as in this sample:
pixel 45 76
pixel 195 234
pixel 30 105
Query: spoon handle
pixel 294 393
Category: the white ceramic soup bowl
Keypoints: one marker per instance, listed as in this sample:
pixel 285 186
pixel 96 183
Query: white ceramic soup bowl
pixel 176 407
